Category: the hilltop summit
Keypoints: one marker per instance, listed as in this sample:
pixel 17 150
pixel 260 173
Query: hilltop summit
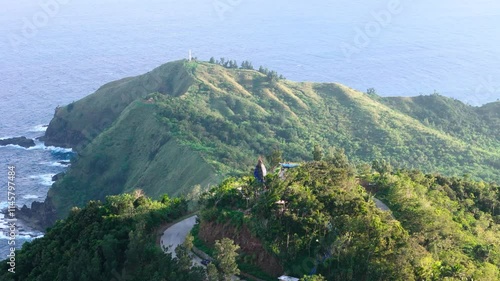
pixel 189 123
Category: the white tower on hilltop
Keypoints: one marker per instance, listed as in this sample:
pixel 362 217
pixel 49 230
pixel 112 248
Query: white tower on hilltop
pixel 190 58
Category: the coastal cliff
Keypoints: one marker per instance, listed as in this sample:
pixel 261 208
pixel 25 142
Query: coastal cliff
pixel 78 123
pixel 187 124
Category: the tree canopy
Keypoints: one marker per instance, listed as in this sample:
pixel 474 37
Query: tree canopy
pixel 114 240
pixel 321 219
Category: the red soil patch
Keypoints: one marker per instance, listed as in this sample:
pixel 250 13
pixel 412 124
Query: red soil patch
pixel 211 231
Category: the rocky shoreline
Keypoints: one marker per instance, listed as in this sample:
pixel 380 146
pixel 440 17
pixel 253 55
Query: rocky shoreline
pixel 20 141
pixel 39 216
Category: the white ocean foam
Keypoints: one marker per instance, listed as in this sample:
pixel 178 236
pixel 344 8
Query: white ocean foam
pixel 30 196
pixel 39 128
pixel 3 205
pixel 38 145
pixel 60 149
pixel 41 145
pixel 64 164
pixel 13 145
pixel 22 232
pixel 29 236
pixel 45 179
pixel 23 235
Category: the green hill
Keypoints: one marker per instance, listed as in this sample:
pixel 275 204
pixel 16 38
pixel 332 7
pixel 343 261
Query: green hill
pixel 190 123
pixel 136 152
pixel 79 122
pixel 319 219
pixel 476 125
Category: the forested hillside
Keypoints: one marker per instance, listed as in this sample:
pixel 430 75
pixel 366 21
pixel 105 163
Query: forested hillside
pixel 479 126
pixel 110 241
pixel 188 124
pixel 319 219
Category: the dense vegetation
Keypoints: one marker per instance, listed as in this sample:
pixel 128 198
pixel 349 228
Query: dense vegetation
pixel 271 74
pixel 478 126
pixel 320 219
pixel 111 241
pixel 192 123
pixel 454 223
pixel 186 125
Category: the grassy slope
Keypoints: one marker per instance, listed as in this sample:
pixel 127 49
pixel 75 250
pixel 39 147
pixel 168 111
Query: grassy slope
pixel 295 116
pixel 474 124
pixel 206 119
pixel 80 122
pixel 136 152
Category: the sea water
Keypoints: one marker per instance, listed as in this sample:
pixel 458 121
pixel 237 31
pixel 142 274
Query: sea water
pixel 53 52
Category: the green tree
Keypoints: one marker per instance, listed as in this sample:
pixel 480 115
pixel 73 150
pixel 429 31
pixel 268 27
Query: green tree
pixel 165 199
pixel 263 70
pixel 317 153
pixel 272 76
pixel 233 64
pixel 225 257
pixel 364 169
pixel 212 273
pixel 313 278
pixel 275 157
pixel 183 259
pixel 371 91
pixel 382 167
pixel 188 243
pixel 141 201
pixel 246 65
pixel 184 265
pixel 338 158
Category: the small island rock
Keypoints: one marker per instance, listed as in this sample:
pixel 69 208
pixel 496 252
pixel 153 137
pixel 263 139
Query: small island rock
pixel 21 141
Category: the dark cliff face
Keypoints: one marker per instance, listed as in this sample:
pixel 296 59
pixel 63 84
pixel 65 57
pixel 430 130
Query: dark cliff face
pixel 40 216
pixel 59 134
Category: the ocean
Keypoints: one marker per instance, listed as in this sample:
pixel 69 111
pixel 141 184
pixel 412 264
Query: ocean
pixel 53 52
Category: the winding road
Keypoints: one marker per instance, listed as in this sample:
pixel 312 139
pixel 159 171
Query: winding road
pixel 381 205
pixel 176 234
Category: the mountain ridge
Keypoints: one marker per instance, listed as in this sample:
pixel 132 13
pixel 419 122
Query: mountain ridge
pixel 226 117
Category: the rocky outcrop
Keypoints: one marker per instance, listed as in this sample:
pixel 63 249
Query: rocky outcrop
pixel 58 176
pixel 249 244
pixel 40 216
pixel 60 135
pixel 21 141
